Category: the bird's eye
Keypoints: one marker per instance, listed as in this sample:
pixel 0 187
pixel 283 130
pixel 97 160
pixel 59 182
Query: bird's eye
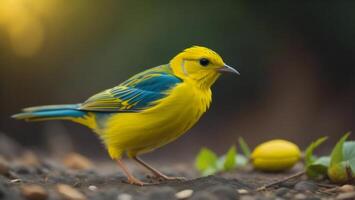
pixel 204 61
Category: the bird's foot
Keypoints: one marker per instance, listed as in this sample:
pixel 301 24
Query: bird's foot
pixel 134 181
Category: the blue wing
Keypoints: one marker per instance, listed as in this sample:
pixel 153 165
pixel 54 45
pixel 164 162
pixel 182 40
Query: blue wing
pixel 137 93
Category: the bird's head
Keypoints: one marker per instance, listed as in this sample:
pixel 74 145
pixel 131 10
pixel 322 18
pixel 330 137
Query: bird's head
pixel 199 64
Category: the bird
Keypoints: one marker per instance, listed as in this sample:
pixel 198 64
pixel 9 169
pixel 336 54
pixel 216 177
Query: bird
pixel 148 110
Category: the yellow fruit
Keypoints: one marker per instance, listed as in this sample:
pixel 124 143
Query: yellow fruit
pixel 275 155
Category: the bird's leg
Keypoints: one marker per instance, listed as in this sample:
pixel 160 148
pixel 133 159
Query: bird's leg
pixel 156 172
pixel 130 178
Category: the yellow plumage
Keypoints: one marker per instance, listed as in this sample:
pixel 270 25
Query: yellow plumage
pixel 148 110
pixel 158 125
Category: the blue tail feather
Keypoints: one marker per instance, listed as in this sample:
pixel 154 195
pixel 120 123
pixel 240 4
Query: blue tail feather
pixel 50 112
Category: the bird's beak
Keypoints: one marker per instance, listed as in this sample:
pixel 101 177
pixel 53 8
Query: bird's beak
pixel 227 68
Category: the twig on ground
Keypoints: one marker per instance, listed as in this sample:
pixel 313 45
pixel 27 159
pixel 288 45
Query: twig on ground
pixel 326 185
pixel 298 174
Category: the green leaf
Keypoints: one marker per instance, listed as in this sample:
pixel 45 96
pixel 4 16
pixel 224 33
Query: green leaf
pixel 342 160
pixel 337 153
pixel 241 160
pixel 318 168
pixel 209 171
pixel 245 147
pixel 206 160
pixel 309 157
pixel 230 162
pixel 349 154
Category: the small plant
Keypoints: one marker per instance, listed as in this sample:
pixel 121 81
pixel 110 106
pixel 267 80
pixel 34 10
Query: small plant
pixel 278 155
pixel 339 166
pixel 316 167
pixel 208 163
pixel 342 161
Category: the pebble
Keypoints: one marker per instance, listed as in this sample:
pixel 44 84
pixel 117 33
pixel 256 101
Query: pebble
pixel 34 192
pixel 92 188
pixel 23 170
pixel 281 191
pixel 15 180
pixel 224 192
pixel 306 186
pixel 69 193
pixel 300 196
pixel 124 196
pixel 242 191
pixel 346 196
pixel 346 188
pixel 288 184
pixel 77 162
pixel 184 194
pixel 4 166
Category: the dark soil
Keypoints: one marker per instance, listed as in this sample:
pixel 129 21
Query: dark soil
pixel 240 184
pixel 105 181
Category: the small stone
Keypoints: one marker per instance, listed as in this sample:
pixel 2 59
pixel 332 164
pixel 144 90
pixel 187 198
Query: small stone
pixel 242 191
pixel 77 162
pixel 184 194
pixel 23 170
pixel 69 193
pixel 15 180
pixel 92 188
pixel 346 188
pixel 281 191
pixel 4 166
pixel 124 196
pixel 346 196
pixel 34 192
pixel 300 196
pixel 306 186
pixel 287 184
pixel 224 192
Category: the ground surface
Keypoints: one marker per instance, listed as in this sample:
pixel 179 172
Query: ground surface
pixel 92 184
pixel 29 176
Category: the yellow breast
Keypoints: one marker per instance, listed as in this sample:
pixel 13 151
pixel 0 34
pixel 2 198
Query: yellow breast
pixel 137 133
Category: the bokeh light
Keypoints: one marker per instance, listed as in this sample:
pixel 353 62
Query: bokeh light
pixel 22 22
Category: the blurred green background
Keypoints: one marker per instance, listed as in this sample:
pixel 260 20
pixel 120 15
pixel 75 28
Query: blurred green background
pixel 296 61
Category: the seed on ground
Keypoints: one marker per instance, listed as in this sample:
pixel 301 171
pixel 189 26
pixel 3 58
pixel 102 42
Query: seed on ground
pixel 184 194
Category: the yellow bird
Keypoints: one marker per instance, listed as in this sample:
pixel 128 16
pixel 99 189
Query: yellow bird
pixel 146 111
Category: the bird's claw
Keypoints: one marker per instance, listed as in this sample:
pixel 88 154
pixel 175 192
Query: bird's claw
pixel 134 181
